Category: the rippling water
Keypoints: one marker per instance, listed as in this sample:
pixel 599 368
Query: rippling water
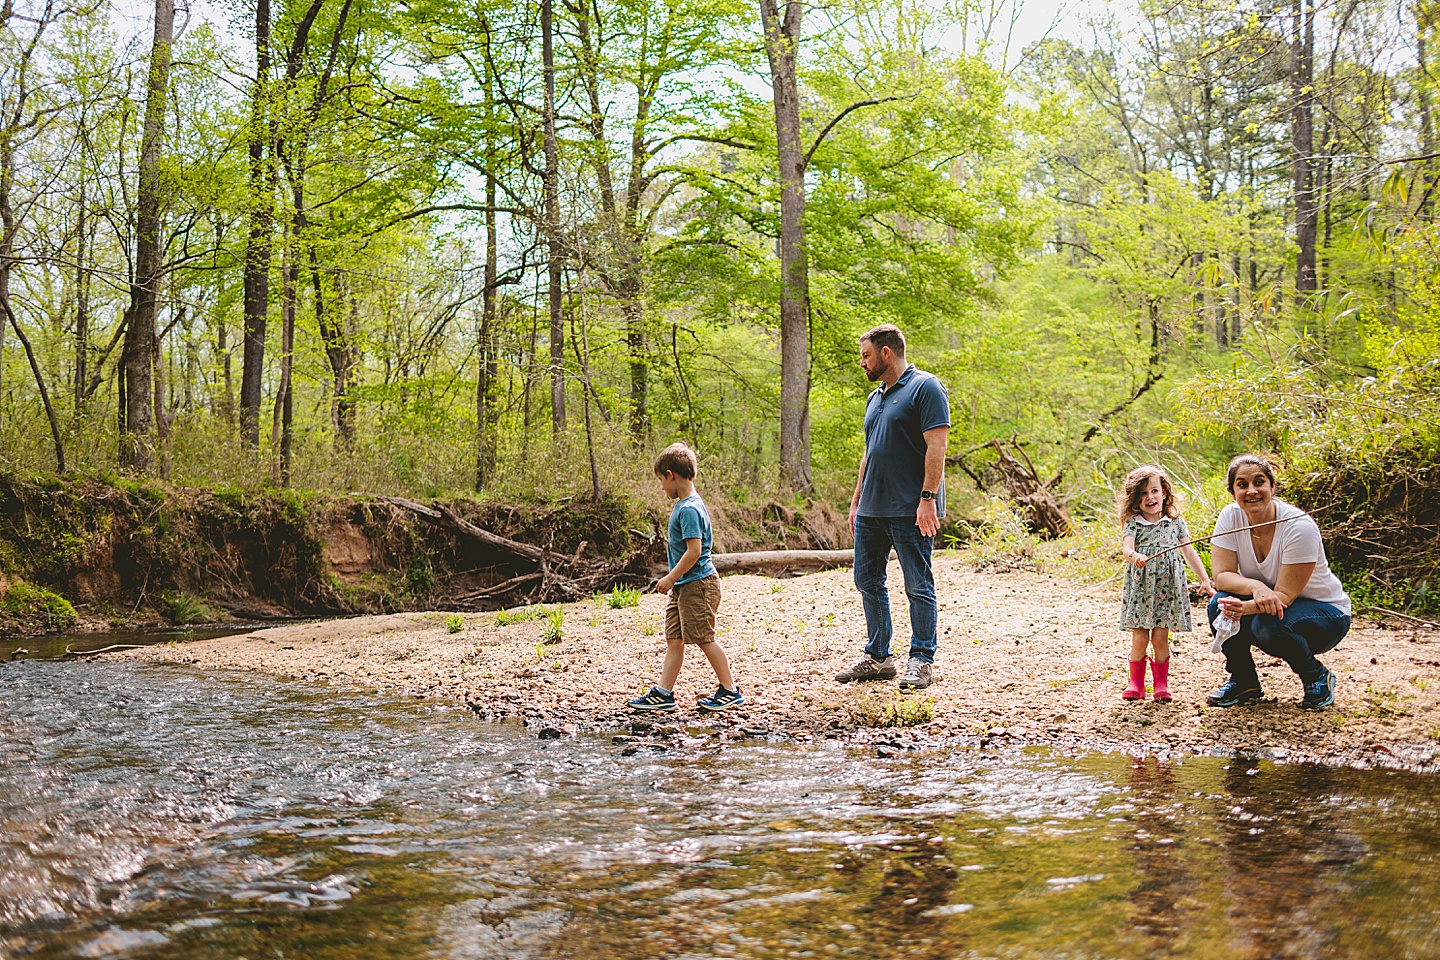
pixel 151 811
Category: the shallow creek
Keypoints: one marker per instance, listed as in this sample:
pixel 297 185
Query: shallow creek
pixel 150 811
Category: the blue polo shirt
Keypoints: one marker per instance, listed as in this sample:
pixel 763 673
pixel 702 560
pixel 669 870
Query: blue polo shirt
pixel 895 425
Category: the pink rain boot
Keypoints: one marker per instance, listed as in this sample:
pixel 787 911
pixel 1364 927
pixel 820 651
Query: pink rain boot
pixel 1136 690
pixel 1160 671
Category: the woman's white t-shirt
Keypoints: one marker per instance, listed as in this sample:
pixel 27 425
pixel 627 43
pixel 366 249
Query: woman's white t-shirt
pixel 1297 540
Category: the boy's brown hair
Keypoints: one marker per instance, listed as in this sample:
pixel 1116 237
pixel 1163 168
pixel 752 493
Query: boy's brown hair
pixel 678 459
pixel 1132 491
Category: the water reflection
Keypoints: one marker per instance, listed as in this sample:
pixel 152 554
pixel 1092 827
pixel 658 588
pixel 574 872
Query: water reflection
pixel 150 811
pixel 57 645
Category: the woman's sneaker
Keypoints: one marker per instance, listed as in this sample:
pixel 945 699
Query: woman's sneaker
pixel 722 699
pixel 654 700
pixel 1320 693
pixel 1231 694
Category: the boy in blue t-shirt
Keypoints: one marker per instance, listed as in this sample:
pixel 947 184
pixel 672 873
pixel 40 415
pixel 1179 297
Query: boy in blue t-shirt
pixel 693 586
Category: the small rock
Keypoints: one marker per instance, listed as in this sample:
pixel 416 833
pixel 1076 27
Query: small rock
pixel 885 752
pixel 1060 718
pixel 550 733
pixel 621 739
pixel 630 751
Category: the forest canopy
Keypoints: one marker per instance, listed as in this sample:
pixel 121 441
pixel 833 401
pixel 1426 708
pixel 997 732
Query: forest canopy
pixel 513 248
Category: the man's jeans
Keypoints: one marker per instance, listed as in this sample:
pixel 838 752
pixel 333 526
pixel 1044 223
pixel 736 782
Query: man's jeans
pixel 1309 628
pixel 874 538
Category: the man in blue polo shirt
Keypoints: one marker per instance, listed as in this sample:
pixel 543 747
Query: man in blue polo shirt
pixel 899 500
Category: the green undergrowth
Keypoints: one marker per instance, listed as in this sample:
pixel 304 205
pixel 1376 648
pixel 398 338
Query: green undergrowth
pixel 28 609
pixel 621 596
pixel 182 609
pixel 505 618
pixel 892 711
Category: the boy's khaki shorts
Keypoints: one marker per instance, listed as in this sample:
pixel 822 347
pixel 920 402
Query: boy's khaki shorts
pixel 690 615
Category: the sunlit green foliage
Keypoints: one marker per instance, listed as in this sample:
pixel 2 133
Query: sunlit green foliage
pixel 1090 240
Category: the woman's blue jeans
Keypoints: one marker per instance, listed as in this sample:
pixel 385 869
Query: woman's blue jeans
pixel 1309 628
pixel 874 538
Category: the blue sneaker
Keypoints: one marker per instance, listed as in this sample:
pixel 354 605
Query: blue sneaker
pixel 722 699
pixel 1232 694
pixel 654 700
pixel 1319 693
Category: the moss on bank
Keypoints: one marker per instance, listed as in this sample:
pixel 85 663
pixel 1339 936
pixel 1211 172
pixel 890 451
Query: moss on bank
pixel 26 609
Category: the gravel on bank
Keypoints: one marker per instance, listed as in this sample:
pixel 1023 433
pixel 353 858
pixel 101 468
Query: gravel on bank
pixel 1023 658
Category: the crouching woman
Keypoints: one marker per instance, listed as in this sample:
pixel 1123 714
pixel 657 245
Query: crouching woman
pixel 1275 589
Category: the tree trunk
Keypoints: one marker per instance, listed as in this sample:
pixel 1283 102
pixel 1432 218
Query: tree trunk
pixel 626 280
pixel 225 403
pixel 82 306
pixel 769 560
pixel 162 425
pixel 485 434
pixel 137 444
pixel 555 266
pixel 338 351
pixel 1424 25
pixel 281 428
pixel 489 368
pixel 55 436
pixel 782 41
pixel 582 354
pixel 634 311
pixel 1302 146
pixel 258 248
pixel 7 238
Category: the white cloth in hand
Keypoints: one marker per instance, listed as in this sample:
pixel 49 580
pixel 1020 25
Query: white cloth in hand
pixel 1225 628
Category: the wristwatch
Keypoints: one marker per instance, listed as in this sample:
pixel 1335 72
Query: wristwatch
pixel 927 494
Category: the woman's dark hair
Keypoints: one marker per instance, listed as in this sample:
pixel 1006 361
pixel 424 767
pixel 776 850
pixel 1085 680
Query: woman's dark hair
pixel 1132 491
pixel 1248 460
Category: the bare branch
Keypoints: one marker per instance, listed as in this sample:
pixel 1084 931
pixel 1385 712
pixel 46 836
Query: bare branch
pixel 841 116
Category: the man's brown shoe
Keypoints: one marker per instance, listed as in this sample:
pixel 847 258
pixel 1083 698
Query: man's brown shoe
pixel 868 669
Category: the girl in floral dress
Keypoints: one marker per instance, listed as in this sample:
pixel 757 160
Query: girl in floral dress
pixel 1156 599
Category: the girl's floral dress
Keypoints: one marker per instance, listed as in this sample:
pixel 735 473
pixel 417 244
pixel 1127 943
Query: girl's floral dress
pixel 1156 596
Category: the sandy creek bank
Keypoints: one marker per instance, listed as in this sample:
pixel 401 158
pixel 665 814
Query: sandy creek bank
pixel 1023 658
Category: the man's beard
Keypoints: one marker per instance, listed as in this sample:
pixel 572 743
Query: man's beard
pixel 875 374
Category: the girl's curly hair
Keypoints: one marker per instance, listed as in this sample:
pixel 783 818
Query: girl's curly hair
pixel 1132 491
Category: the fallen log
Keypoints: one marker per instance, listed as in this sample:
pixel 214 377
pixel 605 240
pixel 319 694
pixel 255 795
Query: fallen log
pixel 781 559
pixel 443 516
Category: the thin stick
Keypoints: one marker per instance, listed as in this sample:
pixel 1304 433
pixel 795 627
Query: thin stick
pixel 1194 540
pixel 1405 616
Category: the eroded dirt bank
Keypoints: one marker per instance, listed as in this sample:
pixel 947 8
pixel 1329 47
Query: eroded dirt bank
pixel 1023 658
pixel 82 552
